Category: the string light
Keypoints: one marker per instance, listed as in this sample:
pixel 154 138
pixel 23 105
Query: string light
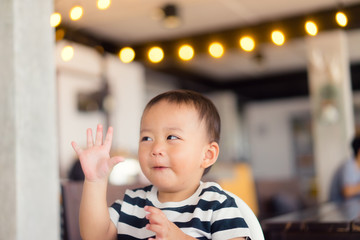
pixel 216 50
pixel 341 19
pixel 278 37
pixel 155 54
pixel 311 28
pixel 103 4
pixel 127 54
pixel 55 19
pixel 76 13
pixel 247 43
pixel 67 53
pixel 186 52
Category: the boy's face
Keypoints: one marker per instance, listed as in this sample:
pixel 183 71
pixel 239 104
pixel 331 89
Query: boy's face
pixel 173 144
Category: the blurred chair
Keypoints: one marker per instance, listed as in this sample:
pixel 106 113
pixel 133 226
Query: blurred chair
pixel 71 197
pixel 242 185
pixel 278 196
pixel 252 221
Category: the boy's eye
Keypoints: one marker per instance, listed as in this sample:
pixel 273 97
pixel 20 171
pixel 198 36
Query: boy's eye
pixel 143 139
pixel 172 137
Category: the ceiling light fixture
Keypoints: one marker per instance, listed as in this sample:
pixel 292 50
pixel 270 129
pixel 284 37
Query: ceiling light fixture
pixel 341 19
pixel 216 50
pixel 55 19
pixel 186 52
pixel 156 54
pixel 171 18
pixel 76 13
pixel 67 53
pixel 278 37
pixel 103 4
pixel 311 28
pixel 247 43
pixel 127 54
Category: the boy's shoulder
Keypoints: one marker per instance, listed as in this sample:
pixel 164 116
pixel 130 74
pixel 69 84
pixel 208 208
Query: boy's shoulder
pixel 212 191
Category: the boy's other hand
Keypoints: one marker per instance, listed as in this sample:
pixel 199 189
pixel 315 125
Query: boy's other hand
pixel 95 160
pixel 163 228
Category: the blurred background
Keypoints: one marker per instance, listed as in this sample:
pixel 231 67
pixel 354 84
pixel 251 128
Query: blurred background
pixel 256 72
pixel 284 75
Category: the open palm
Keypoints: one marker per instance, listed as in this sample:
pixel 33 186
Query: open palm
pixel 95 160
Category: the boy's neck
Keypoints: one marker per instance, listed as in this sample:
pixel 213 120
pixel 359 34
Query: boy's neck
pixel 164 196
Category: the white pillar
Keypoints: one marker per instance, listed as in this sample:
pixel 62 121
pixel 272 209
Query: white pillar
pixel 331 101
pixel 29 185
pixel 231 147
pixel 127 88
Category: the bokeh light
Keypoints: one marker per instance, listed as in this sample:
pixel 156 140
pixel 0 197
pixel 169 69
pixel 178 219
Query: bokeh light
pixel 186 52
pixel 127 54
pixel 156 54
pixel 216 50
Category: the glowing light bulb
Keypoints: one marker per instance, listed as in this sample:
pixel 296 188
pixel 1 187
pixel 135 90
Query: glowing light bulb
pixel 76 13
pixel 341 19
pixel 156 54
pixel 216 50
pixel 55 19
pixel 247 43
pixel 103 4
pixel 186 52
pixel 67 53
pixel 127 54
pixel 311 28
pixel 278 37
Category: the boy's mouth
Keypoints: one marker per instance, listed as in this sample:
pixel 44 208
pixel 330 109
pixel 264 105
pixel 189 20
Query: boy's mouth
pixel 159 167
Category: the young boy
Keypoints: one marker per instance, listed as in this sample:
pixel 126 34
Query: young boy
pixel 179 142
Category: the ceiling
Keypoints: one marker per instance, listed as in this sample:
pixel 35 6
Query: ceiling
pixel 131 22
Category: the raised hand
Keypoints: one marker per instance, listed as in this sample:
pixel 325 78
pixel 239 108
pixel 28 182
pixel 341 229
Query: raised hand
pixel 95 160
pixel 163 228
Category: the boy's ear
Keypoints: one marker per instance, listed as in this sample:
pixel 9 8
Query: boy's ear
pixel 211 155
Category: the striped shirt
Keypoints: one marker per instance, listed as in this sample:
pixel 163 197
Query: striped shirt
pixel 210 213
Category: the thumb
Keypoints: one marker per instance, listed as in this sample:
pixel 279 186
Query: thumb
pixel 115 160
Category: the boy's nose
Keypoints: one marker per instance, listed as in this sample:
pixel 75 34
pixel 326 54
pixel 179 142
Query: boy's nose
pixel 157 149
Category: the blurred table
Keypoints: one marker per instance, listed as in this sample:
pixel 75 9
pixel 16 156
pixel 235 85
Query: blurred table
pixel 326 221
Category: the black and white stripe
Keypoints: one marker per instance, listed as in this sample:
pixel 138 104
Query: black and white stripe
pixel 210 213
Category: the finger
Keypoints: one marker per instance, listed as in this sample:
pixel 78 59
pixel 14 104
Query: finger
pixel 152 209
pixel 99 133
pixel 77 149
pixel 89 138
pixel 157 229
pixel 155 219
pixel 108 138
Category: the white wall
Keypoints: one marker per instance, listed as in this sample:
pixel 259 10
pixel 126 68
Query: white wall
pixel 231 144
pixel 157 83
pixel 83 74
pixel 269 135
pixel 127 87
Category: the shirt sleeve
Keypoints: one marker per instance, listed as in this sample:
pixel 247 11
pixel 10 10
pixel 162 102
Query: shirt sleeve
pixel 228 221
pixel 349 173
pixel 114 212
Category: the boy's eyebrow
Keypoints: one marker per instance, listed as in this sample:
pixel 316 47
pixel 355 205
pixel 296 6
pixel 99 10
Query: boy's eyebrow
pixel 174 129
pixel 144 130
pixel 168 129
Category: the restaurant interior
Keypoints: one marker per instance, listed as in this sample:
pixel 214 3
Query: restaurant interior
pixel 284 76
